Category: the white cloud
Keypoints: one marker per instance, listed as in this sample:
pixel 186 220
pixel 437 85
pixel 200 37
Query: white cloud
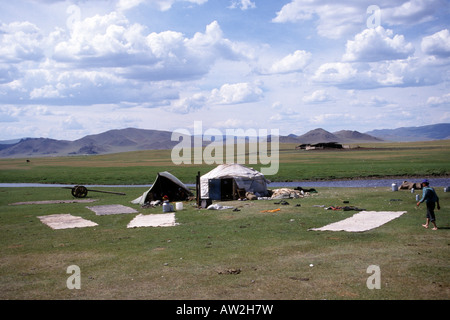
pixel 111 41
pixel 437 44
pixel 8 73
pixel 123 5
pixel 20 41
pixel 211 45
pixel 162 5
pixel 113 60
pixel 410 72
pixel 335 73
pixel 227 94
pixel 189 104
pixel 8 114
pixel 82 87
pixel 236 93
pixel 390 73
pixel 324 118
pixel 294 62
pixel 106 59
pixel 411 12
pixel 297 10
pixel 317 97
pixel 439 101
pixel 242 4
pixel 276 117
pixel 47 91
pixel 377 44
pixel 281 113
pixel 335 19
pixel 377 101
pixel 101 41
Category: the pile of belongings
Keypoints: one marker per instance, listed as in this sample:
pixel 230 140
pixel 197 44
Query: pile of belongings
pixel 410 185
pixel 286 193
pixel 345 208
pixel 217 206
pixel 152 204
pixel 310 190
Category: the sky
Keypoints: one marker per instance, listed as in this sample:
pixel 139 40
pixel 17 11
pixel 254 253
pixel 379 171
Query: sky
pixel 73 68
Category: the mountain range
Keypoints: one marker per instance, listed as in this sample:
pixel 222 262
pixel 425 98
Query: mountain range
pixel 440 131
pixel 131 139
pixel 113 141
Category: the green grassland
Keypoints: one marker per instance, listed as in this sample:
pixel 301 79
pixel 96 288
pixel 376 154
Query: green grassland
pixel 225 254
pixel 135 168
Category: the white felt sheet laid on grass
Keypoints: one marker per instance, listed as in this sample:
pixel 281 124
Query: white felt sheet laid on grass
pixel 53 202
pixel 66 221
pixel 362 221
pixel 111 209
pixel 153 220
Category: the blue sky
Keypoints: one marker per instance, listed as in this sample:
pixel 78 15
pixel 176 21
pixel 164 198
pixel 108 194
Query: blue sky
pixel 73 68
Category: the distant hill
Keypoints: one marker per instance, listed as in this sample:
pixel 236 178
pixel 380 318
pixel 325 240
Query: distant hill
pixel 123 140
pixel 131 139
pixel 349 136
pixel 320 135
pixel 35 146
pixel 113 141
pixel 316 136
pixel 439 131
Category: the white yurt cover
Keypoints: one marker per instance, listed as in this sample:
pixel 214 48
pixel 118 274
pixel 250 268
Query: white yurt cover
pixel 246 178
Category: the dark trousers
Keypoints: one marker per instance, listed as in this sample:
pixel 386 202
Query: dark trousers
pixel 430 211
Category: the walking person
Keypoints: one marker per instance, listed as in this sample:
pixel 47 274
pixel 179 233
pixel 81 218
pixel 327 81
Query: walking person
pixel 431 199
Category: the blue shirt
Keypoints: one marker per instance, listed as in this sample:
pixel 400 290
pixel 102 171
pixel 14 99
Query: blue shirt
pixel 429 195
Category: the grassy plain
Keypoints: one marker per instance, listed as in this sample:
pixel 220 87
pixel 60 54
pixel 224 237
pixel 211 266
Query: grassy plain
pixel 225 255
pixel 137 168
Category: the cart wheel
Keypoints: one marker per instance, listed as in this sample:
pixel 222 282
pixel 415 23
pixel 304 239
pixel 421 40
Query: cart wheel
pixel 79 191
